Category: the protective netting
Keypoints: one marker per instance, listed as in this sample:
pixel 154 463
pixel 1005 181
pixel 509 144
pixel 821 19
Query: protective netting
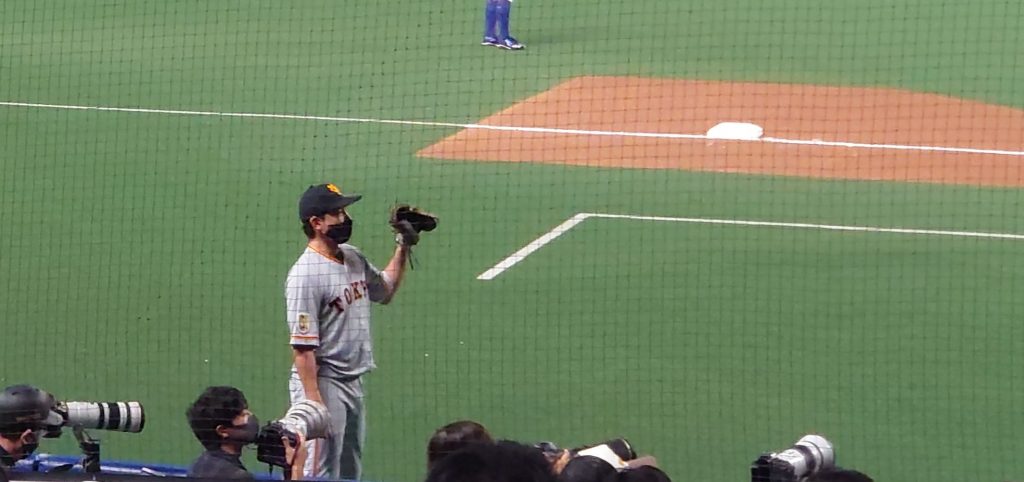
pixel 709 227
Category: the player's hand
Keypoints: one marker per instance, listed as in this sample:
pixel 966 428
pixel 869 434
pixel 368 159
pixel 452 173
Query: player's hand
pixel 295 454
pixel 558 464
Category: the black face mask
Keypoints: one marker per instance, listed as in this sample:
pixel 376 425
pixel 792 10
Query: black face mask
pixel 8 459
pixel 247 433
pixel 340 233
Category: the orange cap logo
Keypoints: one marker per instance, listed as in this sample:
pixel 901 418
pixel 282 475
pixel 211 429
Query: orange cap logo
pixel 334 189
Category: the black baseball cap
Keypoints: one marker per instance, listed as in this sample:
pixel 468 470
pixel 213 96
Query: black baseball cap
pixel 322 199
pixel 24 407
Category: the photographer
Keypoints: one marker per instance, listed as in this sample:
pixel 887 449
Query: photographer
pixel 221 420
pixel 645 473
pixel 24 414
pixel 589 468
pixel 454 436
pixel 593 462
pixel 497 462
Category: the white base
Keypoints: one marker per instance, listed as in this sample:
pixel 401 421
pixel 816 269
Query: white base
pixel 739 131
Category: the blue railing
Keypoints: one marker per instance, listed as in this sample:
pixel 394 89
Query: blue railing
pixel 70 463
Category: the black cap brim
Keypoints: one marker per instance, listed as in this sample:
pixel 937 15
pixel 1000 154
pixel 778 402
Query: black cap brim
pixel 339 202
pixel 345 201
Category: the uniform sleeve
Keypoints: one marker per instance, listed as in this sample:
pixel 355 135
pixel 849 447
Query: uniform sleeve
pixel 302 300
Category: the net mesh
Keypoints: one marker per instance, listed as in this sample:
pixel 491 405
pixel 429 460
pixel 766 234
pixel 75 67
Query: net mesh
pixel 709 227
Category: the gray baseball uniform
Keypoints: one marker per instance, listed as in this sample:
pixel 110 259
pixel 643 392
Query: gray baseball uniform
pixel 328 307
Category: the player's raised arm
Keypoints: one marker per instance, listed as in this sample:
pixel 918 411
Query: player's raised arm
pixel 394 273
pixel 407 222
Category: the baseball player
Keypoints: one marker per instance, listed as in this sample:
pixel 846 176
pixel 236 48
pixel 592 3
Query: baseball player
pixel 328 293
pixel 496 14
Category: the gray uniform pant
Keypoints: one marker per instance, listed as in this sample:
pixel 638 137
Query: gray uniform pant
pixel 340 455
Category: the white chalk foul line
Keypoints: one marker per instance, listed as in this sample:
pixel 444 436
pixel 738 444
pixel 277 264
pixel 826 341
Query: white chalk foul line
pixel 536 244
pixel 561 229
pixel 541 130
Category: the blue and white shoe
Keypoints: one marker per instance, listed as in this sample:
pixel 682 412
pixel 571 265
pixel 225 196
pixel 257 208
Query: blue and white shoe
pixel 511 44
pixel 490 41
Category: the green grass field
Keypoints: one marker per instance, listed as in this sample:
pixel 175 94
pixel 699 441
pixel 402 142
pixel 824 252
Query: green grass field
pixel 142 256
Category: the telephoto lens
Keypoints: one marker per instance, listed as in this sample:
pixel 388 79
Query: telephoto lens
pixel 619 446
pixel 308 418
pixel 118 416
pixel 808 456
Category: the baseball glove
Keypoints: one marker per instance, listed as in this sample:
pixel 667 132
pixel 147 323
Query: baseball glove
pixel 408 222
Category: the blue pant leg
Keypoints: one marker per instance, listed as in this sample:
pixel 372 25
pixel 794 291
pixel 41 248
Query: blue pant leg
pixel 502 10
pixel 490 18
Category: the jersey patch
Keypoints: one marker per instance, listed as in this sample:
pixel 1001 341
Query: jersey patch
pixel 303 322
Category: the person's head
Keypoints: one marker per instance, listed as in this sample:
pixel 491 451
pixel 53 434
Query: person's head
pixel 497 462
pixel 587 468
pixel 455 436
pixel 25 411
pixel 220 418
pixel 644 473
pixel 839 475
pixel 322 211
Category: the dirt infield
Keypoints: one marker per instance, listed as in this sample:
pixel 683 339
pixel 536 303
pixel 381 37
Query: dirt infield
pixel 629 122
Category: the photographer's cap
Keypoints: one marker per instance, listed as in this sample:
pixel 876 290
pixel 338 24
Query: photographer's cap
pixel 322 199
pixel 24 407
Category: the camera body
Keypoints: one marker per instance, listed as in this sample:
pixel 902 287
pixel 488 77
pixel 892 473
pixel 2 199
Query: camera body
pixel 616 452
pixel 806 457
pixel 307 418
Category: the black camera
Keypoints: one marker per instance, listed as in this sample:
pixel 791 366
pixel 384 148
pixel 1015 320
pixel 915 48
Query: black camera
pixel 616 452
pixel 25 406
pixel 308 418
pixel 79 416
pixel 809 455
